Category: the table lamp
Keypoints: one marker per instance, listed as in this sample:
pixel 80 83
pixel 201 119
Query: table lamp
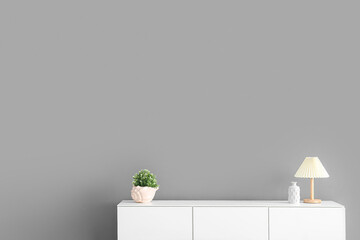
pixel 311 168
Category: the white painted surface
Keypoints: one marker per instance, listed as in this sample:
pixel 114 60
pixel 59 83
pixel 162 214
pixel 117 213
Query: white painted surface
pixel 230 220
pixel 307 224
pixel 230 223
pixel 160 223
pixel 226 203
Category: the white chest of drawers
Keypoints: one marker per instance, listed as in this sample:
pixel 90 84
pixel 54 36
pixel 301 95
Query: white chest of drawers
pixel 230 220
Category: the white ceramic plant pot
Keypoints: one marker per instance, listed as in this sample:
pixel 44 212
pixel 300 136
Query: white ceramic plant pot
pixel 143 194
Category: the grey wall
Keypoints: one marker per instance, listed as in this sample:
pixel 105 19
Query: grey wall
pixel 222 100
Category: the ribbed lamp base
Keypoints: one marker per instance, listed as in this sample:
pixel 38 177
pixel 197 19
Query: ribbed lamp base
pixel 312 201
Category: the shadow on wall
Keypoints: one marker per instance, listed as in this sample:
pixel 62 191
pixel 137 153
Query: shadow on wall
pixel 99 213
pixel 101 219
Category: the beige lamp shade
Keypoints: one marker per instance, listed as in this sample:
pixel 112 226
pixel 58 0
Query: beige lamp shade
pixel 311 168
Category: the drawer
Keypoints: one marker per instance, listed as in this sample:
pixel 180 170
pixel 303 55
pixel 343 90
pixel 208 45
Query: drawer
pixel 307 223
pixel 154 223
pixel 230 223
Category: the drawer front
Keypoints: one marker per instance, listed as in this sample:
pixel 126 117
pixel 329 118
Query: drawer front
pixel 307 223
pixel 154 223
pixel 230 223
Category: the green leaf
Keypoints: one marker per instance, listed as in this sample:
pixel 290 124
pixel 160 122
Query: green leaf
pixel 144 178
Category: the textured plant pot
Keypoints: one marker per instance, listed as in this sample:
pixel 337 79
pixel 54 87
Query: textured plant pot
pixel 143 194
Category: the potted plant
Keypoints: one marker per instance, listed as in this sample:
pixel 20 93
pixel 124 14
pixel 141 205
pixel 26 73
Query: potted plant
pixel 144 186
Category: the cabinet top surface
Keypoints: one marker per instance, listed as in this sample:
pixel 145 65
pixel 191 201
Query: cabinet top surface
pixel 226 203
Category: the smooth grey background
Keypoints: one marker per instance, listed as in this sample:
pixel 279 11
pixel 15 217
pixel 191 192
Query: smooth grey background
pixel 221 100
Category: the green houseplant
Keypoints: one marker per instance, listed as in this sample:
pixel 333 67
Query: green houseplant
pixel 144 186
